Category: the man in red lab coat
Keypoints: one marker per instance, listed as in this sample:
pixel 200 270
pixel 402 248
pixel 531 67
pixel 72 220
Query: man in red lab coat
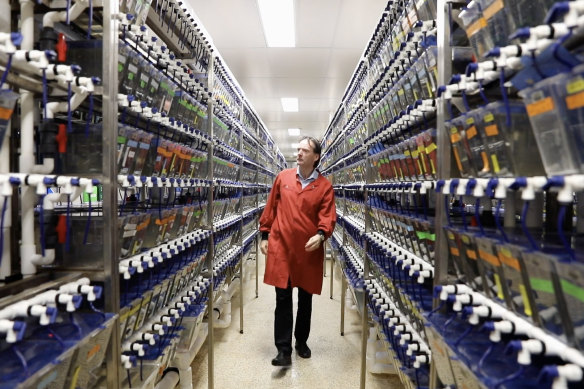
pixel 299 216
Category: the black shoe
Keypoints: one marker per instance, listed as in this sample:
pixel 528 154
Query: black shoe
pixel 302 350
pixel 282 359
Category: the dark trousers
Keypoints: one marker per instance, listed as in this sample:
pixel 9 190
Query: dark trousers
pixel 283 321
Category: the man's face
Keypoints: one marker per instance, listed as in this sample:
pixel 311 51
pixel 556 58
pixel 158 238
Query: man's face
pixel 306 156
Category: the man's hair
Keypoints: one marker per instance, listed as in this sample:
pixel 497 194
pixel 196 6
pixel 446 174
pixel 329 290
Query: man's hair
pixel 316 147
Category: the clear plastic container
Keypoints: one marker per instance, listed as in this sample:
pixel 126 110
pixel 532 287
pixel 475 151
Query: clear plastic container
pixel 499 24
pixel 547 115
pixel 475 136
pixel 460 146
pixel 510 142
pixel 491 269
pixel 426 9
pixel 543 281
pixel 571 275
pixel 430 58
pixel 570 93
pixel 527 13
pixel 475 26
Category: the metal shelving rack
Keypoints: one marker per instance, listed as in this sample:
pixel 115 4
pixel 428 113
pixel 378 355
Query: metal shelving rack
pixel 144 33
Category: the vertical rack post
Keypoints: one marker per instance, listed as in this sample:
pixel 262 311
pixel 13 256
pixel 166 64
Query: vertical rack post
pixel 110 202
pixel 239 179
pixel 211 259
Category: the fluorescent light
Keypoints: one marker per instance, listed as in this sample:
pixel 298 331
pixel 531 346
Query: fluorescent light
pixel 278 22
pixel 294 131
pixel 295 146
pixel 290 104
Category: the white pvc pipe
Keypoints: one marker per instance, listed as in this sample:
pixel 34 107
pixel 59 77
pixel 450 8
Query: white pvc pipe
pixel 53 17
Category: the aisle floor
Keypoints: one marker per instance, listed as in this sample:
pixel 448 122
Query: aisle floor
pixel 243 360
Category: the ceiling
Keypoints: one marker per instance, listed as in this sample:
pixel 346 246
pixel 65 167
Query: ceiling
pixel 330 38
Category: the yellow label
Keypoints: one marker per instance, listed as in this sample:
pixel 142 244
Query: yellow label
pixel 465 239
pixel 500 294
pixel 575 101
pixel 431 148
pixel 489 118
pixel 450 235
pixel 415 154
pixel 493 9
pixel 496 167
pixel 539 107
pixel 575 86
pixel 526 304
pixel 491 130
pixel 471 132
pixel 470 120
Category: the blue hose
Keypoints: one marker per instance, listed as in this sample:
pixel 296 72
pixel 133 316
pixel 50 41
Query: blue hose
pixel 532 242
pixel 5 74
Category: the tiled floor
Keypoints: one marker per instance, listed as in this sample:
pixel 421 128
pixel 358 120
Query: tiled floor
pixel 243 360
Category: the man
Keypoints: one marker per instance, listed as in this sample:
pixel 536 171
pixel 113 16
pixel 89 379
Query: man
pixel 299 216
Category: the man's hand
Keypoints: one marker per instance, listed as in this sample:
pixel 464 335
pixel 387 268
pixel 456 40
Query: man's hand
pixel 313 243
pixel 264 247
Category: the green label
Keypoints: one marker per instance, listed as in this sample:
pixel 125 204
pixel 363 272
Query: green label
pixel 573 290
pixel 541 285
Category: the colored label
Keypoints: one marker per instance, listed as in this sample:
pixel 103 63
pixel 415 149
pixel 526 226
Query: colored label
pixel 493 9
pixel 454 251
pixel 476 27
pixel 499 285
pixel 471 254
pixel 491 130
pixel 542 285
pixel 575 101
pixel 573 290
pixel 5 113
pixel 431 148
pixel 489 118
pixel 526 304
pixel 575 86
pixel 539 107
pixel 507 258
pixel 489 258
pixel 495 160
pixel 471 132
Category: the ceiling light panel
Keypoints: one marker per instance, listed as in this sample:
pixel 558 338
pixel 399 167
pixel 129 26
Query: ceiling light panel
pixel 294 131
pixel 278 22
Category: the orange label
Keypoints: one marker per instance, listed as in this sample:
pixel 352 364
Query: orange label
pixel 454 251
pixel 142 225
pixel 509 261
pixel 471 132
pixel 455 138
pixel 541 106
pixel 5 113
pixel 493 9
pixel 457 159
pixel 490 258
pixel 476 27
pixel 471 254
pixel 491 130
pixel 94 350
pixel 575 101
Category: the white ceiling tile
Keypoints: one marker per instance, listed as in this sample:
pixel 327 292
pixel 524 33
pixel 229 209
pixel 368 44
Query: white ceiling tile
pixel 357 21
pixel 232 23
pixel 300 63
pixel 316 22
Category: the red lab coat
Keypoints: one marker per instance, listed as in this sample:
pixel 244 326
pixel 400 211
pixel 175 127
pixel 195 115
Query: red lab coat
pixel 293 215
